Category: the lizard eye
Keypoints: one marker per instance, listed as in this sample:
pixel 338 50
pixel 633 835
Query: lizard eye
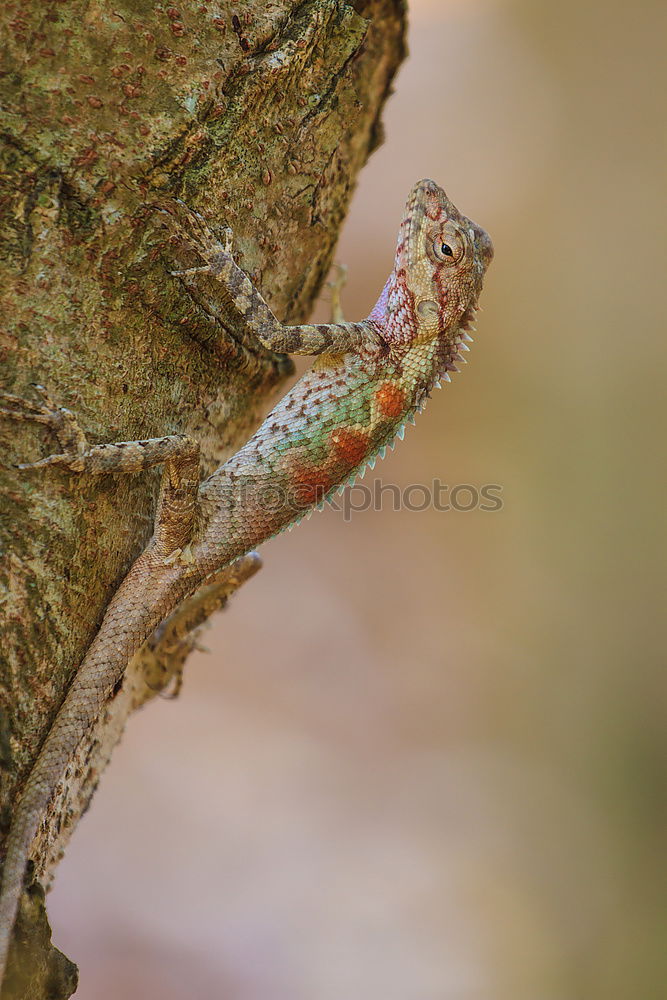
pixel 447 248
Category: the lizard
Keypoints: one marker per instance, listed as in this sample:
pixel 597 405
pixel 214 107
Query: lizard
pixel 368 379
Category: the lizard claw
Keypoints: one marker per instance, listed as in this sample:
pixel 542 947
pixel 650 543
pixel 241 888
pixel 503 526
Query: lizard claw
pixel 190 270
pixel 58 419
pixel 19 408
pixel 72 461
pixel 196 233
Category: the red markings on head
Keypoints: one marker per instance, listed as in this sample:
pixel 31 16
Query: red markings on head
pixel 350 445
pixel 390 401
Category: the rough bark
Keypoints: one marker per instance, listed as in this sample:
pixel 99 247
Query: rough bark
pixel 259 115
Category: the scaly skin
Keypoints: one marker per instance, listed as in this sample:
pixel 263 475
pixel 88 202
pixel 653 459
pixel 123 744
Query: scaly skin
pixel 368 380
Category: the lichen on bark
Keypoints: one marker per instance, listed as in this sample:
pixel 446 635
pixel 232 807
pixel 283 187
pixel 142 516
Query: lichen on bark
pixel 260 116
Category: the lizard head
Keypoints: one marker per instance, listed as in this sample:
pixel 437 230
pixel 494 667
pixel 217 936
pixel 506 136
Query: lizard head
pixel 441 259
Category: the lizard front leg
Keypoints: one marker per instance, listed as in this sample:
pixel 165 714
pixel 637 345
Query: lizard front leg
pixel 310 339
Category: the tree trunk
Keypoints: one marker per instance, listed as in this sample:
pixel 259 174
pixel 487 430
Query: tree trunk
pixel 260 116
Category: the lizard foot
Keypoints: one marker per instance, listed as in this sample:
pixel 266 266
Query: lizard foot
pixel 200 238
pixel 179 451
pixel 58 419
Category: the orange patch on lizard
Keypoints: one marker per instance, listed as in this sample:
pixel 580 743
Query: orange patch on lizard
pixel 311 485
pixel 390 401
pixel 350 446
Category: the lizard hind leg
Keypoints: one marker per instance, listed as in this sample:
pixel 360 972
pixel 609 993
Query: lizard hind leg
pixel 162 656
pixel 177 452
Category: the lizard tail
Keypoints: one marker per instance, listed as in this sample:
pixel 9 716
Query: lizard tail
pixel 23 829
pixel 127 624
pixel 76 714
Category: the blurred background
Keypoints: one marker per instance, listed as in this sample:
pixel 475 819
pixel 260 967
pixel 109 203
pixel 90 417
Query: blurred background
pixel 425 757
